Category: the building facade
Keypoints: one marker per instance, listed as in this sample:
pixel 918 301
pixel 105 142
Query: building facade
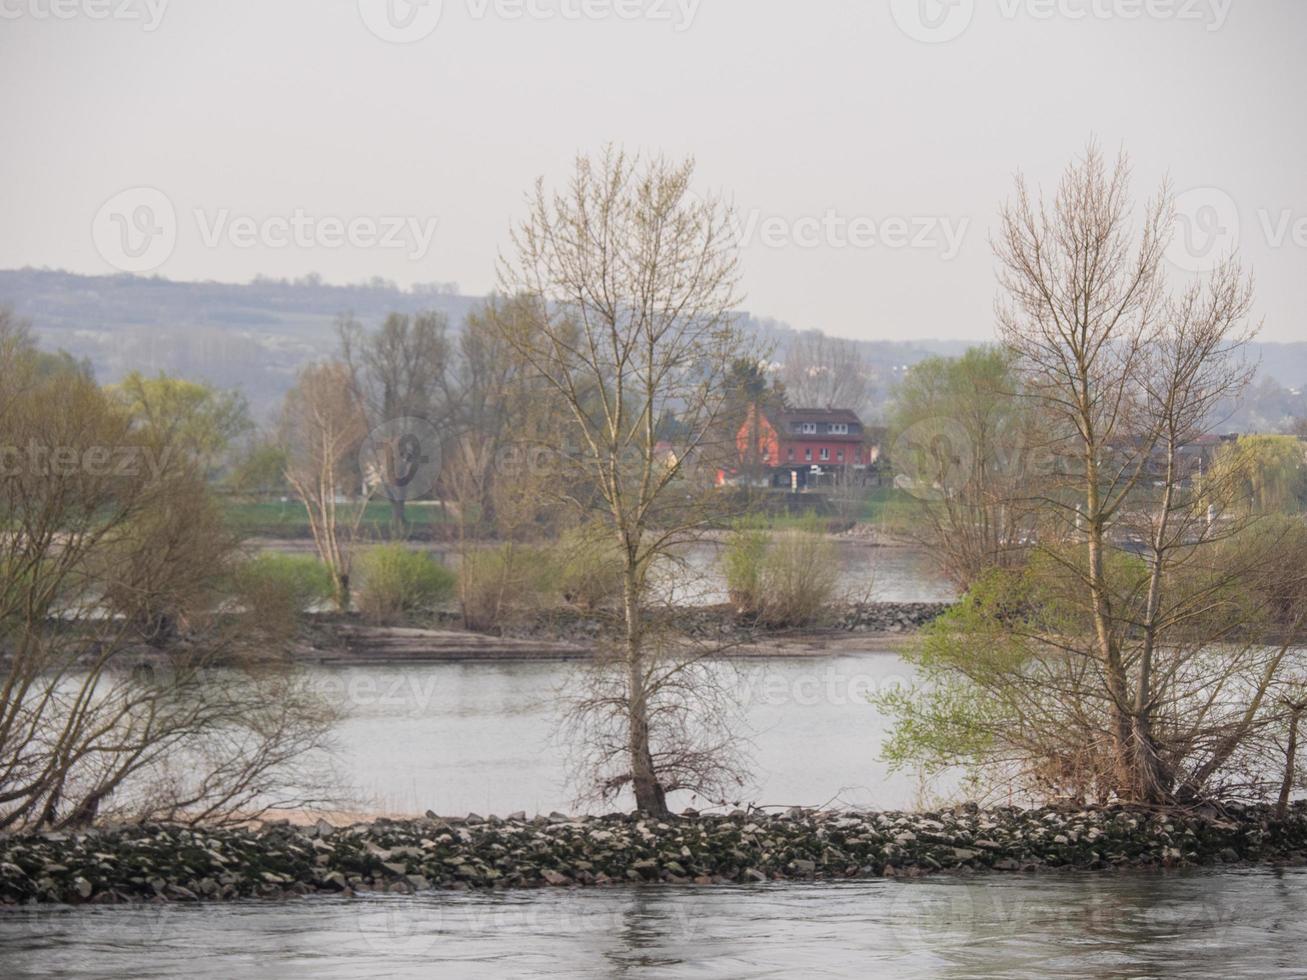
pixel 800 447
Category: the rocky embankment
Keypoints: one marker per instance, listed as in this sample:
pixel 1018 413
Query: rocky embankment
pixel 162 863
pixel 722 621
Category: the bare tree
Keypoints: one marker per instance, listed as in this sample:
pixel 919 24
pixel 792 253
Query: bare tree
pixel 632 328
pixel 106 525
pixel 965 444
pixel 397 372
pixel 1131 376
pixel 1140 652
pixel 827 372
pixel 323 425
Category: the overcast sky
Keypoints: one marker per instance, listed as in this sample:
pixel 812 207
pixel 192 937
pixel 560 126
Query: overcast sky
pixel 866 143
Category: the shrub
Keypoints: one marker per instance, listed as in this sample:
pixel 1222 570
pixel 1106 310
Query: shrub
pixel 799 577
pixel 587 568
pixel 742 560
pixel 275 590
pixel 399 583
pixel 494 583
pixel 782 579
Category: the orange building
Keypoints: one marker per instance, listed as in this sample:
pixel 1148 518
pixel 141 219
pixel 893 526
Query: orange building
pixel 795 445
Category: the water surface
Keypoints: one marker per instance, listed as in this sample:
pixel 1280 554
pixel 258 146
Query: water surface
pixel 1182 924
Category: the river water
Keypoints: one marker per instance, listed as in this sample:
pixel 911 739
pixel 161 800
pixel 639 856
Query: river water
pixel 481 737
pixel 1195 924
pixel 484 738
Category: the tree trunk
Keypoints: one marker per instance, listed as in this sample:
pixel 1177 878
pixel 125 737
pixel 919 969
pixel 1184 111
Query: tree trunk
pixel 398 526
pixel 340 591
pixel 1290 762
pixel 649 795
pixel 1109 654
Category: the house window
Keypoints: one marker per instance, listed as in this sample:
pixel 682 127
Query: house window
pixel 825 454
pixel 839 456
pixel 808 428
pixel 839 428
pixel 807 454
pixel 791 452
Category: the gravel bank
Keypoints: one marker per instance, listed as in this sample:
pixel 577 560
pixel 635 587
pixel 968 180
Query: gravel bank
pixel 169 863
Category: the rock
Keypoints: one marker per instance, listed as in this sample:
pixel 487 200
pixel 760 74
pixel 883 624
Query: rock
pixel 555 877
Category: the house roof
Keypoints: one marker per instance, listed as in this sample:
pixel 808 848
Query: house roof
pixel 827 415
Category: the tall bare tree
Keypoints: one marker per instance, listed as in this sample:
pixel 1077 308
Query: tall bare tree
pixel 1143 652
pixel 1131 375
pixel 398 373
pixel 323 425
pixel 634 283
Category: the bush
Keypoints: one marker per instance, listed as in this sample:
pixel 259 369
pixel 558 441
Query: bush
pixel 399 583
pixel 742 560
pixel 494 583
pixel 799 576
pixel 275 590
pixel 587 568
pixel 785 579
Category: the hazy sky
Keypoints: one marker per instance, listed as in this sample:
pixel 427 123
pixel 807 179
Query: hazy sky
pixel 866 143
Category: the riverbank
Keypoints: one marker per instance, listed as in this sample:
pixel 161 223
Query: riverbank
pixel 170 863
pixel 565 634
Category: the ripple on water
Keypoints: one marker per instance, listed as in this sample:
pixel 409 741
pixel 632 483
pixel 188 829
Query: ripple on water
pixel 1192 924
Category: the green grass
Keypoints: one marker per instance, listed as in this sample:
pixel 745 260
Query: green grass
pixel 876 503
pixel 275 517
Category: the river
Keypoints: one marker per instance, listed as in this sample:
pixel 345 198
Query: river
pixel 481 737
pixel 1180 924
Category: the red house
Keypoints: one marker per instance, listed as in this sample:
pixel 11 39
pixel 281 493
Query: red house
pixel 799 446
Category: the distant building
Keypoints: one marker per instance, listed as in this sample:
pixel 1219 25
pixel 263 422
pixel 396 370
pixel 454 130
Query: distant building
pixel 801 446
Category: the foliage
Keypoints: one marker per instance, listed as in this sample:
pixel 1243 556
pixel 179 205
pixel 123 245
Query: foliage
pixel 742 559
pixel 496 583
pixel 95 557
pixel 799 578
pixel 587 568
pixel 191 417
pixel 784 578
pixel 963 444
pixel 275 589
pixel 1263 473
pixel 400 583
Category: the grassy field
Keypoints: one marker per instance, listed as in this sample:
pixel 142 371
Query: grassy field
pixel 274 518
pixel 286 518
